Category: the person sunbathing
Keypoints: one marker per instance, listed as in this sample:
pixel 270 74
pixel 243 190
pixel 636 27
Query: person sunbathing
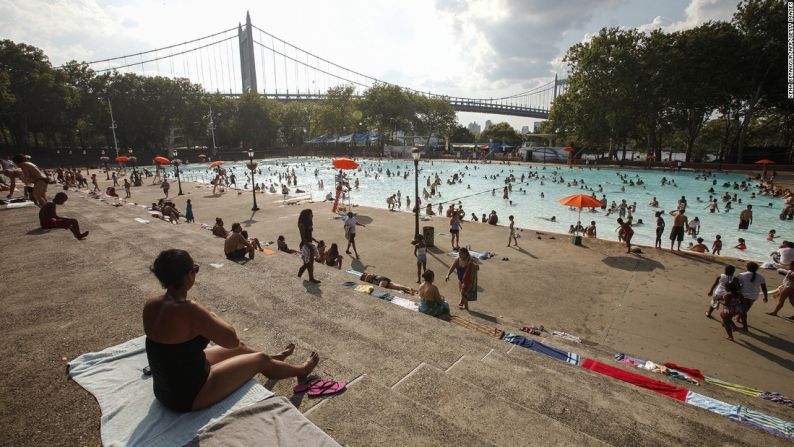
pixel 236 245
pixel 432 303
pixel 332 257
pixel 282 246
pixel 187 375
pixel 385 282
pixel 218 229
pixel 48 217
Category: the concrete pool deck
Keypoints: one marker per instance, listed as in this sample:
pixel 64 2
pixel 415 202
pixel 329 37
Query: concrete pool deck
pixel 420 381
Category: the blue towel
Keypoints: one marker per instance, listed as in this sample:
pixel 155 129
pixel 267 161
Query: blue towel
pixel 537 346
pixel 354 272
pixel 776 426
pixel 382 295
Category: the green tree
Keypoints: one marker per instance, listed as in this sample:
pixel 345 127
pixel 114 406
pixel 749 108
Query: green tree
pixel 461 134
pixel 388 107
pixel 501 133
pixel 338 112
pixel 435 116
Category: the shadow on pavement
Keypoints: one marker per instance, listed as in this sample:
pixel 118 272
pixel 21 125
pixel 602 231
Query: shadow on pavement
pixel 632 263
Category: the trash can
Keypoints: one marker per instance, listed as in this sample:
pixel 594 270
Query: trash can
pixel 577 239
pixel 427 233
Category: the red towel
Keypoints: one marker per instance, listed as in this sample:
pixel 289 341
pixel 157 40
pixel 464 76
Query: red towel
pixel 635 379
pixel 695 373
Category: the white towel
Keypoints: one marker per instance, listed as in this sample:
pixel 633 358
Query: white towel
pixel 130 413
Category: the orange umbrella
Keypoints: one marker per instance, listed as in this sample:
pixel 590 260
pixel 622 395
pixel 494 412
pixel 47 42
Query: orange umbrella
pixel 122 159
pixel 568 149
pixel 581 201
pixel 202 156
pixel 161 160
pixel 345 163
pixel 765 162
pixel 215 164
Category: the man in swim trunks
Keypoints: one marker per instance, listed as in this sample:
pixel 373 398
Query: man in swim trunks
pixel 746 218
pixel 31 174
pixel 48 217
pixel 680 224
pixel 236 245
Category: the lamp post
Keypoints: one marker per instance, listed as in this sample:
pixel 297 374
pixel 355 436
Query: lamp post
pixel 416 153
pixel 176 162
pixel 252 166
pixel 104 159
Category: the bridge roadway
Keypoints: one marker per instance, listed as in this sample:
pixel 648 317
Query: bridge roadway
pixel 459 104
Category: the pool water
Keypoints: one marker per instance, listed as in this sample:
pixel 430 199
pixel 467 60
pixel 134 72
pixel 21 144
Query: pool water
pixel 532 211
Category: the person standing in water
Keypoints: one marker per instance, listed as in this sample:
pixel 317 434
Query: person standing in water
pixel 659 229
pixel 680 224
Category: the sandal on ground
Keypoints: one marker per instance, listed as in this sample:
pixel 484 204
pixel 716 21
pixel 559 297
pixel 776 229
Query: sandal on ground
pixel 328 388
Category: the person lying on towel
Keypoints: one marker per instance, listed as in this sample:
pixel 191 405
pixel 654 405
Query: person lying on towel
pixel 187 374
pixel 385 282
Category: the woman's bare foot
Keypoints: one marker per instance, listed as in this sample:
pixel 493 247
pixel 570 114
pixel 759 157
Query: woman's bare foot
pixel 309 366
pixel 285 353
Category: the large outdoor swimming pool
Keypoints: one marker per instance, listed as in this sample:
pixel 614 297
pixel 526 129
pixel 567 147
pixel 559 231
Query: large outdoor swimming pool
pixel 532 211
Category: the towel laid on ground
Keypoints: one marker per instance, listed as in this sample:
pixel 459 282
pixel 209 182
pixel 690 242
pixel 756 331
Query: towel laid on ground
pixel 777 398
pixel 752 392
pixel 475 326
pixel 402 302
pixel 537 346
pixel 130 413
pixel 567 336
pixel 272 422
pixel 689 371
pixel 654 367
pixel 771 424
pixel 635 379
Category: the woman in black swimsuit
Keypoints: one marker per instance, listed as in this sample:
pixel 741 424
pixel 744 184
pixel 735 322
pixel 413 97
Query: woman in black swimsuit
pixel 308 249
pixel 187 374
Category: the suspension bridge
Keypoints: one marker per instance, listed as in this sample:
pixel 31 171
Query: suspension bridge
pixel 247 58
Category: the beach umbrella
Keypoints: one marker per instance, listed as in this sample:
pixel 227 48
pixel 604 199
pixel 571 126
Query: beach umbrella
pixel 581 201
pixel 161 160
pixel 765 162
pixel 345 163
pixel 122 159
pixel 202 156
pixel 568 149
pixel 215 164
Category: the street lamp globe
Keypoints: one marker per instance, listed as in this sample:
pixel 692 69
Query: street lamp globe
pixel 416 153
pixel 250 153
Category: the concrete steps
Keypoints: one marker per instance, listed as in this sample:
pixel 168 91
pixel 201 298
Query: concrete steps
pixel 418 380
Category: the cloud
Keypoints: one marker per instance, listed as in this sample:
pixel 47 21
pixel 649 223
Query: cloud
pixel 517 41
pixel 697 13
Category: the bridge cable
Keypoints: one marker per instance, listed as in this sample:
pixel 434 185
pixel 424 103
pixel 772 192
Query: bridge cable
pixel 126 65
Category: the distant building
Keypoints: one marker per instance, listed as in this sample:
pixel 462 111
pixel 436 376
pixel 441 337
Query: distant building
pixel 488 124
pixel 525 130
pixel 537 126
pixel 474 128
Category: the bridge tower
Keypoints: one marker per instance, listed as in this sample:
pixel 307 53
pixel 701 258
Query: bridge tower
pixel 245 37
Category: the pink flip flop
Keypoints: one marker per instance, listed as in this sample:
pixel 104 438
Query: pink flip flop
pixel 306 386
pixel 328 388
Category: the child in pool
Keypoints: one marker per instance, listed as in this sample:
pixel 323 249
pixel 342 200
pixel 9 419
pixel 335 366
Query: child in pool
pixel 716 247
pixel 741 245
pixel 771 236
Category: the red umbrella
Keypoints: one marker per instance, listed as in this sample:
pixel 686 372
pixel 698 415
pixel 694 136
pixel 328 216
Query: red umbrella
pixel 215 164
pixel 581 201
pixel 202 156
pixel 161 160
pixel 122 159
pixel 345 163
pixel 568 149
pixel 765 162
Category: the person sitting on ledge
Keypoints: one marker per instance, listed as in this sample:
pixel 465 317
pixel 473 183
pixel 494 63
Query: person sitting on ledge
pixel 187 375
pixel 385 282
pixel 48 217
pixel 432 303
pixel 218 229
pixel 236 245
pixel 332 256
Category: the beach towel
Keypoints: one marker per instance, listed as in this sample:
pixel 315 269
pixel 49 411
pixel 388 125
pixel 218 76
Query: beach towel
pixel 475 326
pixel 139 220
pixel 130 413
pixel 567 336
pixel 24 204
pixel 272 422
pixel 470 293
pixel 771 424
pixel 777 398
pixel 364 288
pixel 402 302
pixel 654 367
pixel 689 371
pixel 752 392
pixel 633 361
pixel 354 272
pixel 382 295
pixel 559 354
pixel 635 379
pixel 349 284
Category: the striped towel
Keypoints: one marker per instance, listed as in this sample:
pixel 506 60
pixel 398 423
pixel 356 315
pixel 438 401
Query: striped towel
pixel 752 392
pixel 771 424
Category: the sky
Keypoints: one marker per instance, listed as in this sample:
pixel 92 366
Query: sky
pixel 469 48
